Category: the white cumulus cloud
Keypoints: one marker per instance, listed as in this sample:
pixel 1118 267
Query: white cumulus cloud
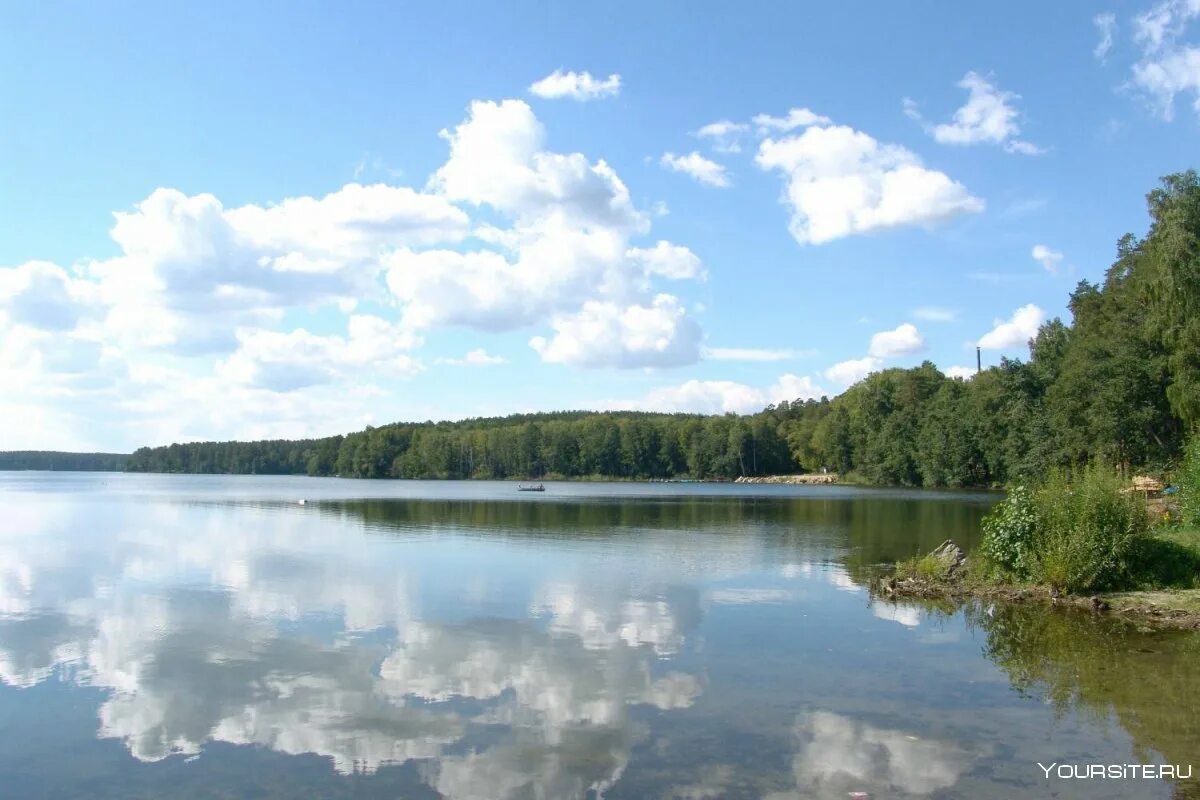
pixel 498 158
pixel 795 118
pixel 605 334
pixel 851 371
pixel 188 330
pixel 1155 28
pixel 668 261
pixel 1016 331
pixel 724 135
pixel 566 257
pixel 576 85
pixel 1048 258
pixel 1173 73
pixel 191 272
pixel 478 357
pixel 795 387
pixel 725 397
pixel 1168 66
pixel 902 341
pixel 703 397
pixel 989 116
pixel 960 372
pixel 296 359
pixel 703 170
pixel 44 296
pixel 840 182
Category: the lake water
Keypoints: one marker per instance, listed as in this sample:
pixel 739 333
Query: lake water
pixel 204 637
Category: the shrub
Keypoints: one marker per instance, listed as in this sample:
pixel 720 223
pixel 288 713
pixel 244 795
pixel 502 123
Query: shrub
pixel 1090 530
pixel 1008 535
pixel 1188 480
pixel 1076 531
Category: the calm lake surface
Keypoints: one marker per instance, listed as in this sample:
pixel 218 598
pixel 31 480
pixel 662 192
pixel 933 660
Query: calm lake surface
pixel 209 637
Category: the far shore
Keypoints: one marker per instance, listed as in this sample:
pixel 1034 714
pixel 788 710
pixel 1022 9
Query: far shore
pixel 812 479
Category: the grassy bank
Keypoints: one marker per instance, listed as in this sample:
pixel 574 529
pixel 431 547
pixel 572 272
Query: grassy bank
pixel 1078 537
pixel 1170 607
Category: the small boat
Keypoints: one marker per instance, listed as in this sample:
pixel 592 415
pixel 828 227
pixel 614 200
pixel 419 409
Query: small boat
pixel 532 487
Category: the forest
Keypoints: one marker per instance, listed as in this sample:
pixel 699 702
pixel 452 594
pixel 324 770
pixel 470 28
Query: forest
pixel 54 460
pixel 1119 382
pixel 556 445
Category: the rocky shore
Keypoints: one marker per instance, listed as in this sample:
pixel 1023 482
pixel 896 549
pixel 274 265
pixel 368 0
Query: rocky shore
pixel 946 577
pixel 811 479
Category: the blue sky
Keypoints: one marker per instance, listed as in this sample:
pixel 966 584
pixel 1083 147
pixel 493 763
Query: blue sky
pixel 299 219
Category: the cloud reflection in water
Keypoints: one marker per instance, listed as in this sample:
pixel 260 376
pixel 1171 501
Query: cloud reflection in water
pixel 204 626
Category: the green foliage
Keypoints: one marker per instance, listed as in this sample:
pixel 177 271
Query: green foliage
pixel 53 460
pixel 1187 478
pixel 924 568
pixel 565 445
pixel 1089 532
pixel 1170 265
pixel 1077 531
pixel 1009 532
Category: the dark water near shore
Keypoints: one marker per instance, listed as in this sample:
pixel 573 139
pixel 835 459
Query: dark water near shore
pixel 199 636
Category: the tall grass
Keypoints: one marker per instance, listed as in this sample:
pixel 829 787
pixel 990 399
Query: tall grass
pixel 1076 531
pixel 1090 532
pixel 1188 480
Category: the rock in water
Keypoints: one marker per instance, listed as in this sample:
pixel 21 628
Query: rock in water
pixel 950 556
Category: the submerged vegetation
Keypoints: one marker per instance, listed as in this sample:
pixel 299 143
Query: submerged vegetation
pixel 1121 384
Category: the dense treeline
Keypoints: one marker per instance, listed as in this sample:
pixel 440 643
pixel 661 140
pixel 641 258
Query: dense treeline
pixel 1121 383
pixel 53 460
pixel 568 445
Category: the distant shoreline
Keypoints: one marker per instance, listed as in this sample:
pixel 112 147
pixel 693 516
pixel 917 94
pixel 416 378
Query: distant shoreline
pixel 776 480
pixel 59 461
